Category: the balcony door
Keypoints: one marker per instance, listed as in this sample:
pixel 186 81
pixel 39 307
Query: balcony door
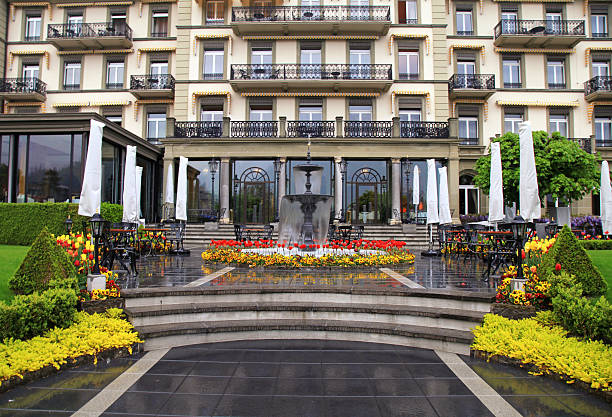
pixel 601 68
pixel 261 61
pixel 311 10
pixel 310 114
pixel 359 60
pixel 509 22
pixel 360 9
pixel 30 71
pixel 466 68
pixel 74 25
pixel 158 74
pixel 310 60
pixel 603 130
pixel 554 22
pixel 119 23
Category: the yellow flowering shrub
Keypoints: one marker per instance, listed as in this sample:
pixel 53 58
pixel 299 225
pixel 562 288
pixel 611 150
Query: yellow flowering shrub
pixel 89 335
pixel 548 348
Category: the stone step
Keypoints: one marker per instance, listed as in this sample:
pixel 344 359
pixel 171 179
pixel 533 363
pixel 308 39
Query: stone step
pixel 180 334
pixel 389 314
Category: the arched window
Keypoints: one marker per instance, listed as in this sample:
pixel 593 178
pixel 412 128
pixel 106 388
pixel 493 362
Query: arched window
pixel 469 201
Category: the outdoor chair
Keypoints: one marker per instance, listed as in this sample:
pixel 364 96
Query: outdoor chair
pixel 121 246
pixel 551 229
pixel 238 229
pixel 177 235
pixel 358 232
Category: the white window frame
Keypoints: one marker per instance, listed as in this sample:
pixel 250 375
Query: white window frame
pixel 156 68
pixel 468 121
pixel 158 14
pixel 465 188
pixel 603 128
pixel 217 57
pixel 556 64
pixel 112 69
pixel 463 23
pixel 405 58
pixel 410 115
pixel 156 122
pixel 513 119
pixel 30 71
pixel 360 113
pixel 214 5
pixel 596 23
pixel 600 68
pixel 211 115
pixel 513 64
pixel 72 70
pixel 555 121
pixel 33 27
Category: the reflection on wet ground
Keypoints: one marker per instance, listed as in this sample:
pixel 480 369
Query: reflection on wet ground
pixel 435 272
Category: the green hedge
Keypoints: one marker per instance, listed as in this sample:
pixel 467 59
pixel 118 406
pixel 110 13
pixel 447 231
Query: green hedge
pixel 28 316
pixel 20 223
pixel 596 244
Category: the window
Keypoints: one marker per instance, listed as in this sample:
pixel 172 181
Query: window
pixel 72 76
pixel 359 9
pixel 211 109
pixel 464 22
pixel 159 68
pixel 310 60
pixel 408 59
pixel 4 168
pixel 601 68
pixel 603 130
pixel 468 195
pixel 556 73
pixel 512 72
pixel 159 25
pixel 213 63
pixel 119 22
pixel 509 21
pixel 599 25
pixel 466 68
pixel 558 123
pixel 407 12
pixel 156 126
pixel 311 109
pixel 511 122
pixel 32 30
pixel 115 118
pixel 468 130
pixel 359 60
pixel 554 22
pixel 409 110
pixel 360 110
pixel 260 109
pixel 30 71
pixel 215 12
pixel 74 24
pixel 114 75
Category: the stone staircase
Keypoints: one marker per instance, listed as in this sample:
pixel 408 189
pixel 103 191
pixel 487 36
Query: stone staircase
pixel 200 235
pixel 433 319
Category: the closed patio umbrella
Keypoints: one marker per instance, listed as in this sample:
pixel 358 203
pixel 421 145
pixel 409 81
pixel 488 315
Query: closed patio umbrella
pixel 432 192
pixel 169 198
pixel 605 199
pixel 416 198
pixel 444 205
pixel 529 197
pixel 130 196
pixel 496 190
pixel 91 191
pixel 181 190
pixel 138 193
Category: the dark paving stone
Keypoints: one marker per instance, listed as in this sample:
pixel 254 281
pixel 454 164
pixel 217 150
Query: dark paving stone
pixel 459 406
pixel 225 355
pixel 157 383
pixel 396 387
pixel 384 371
pixel 256 369
pixel 30 413
pixel 430 370
pixel 284 406
pixel 405 407
pixel 442 387
pixel 110 366
pixel 414 356
pixel 378 357
pixel 334 356
pixel 46 399
pixel 203 385
pixel 190 405
pixel 139 403
pixel 302 386
pixel 348 387
pixel 300 370
pixel 213 369
pixel 172 367
pixel 238 405
pixel 300 356
pixel 352 407
pixel 331 370
pixel 251 386
pixel 261 356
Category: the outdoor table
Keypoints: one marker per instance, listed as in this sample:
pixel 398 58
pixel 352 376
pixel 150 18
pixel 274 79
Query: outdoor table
pixel 345 232
pixel 502 248
pixel 158 237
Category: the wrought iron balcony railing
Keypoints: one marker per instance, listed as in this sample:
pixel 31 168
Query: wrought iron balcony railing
pixel 513 85
pixel 152 82
pixel 88 30
pixel 583 143
pixel 311 72
pixel 539 27
pixel 598 83
pixel 556 86
pixel 408 76
pixel 255 129
pixel 353 129
pixel 311 13
pixel 473 81
pixel 23 85
pixel 207 129
pixel 424 129
pixel 313 129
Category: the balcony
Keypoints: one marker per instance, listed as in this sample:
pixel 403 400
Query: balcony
pixel 539 33
pixel 424 130
pixel 310 129
pixel 471 85
pixel 335 76
pixel 152 86
pixel 28 89
pixel 583 143
pixel 354 129
pixel 598 88
pixel 282 20
pixel 207 129
pixel 259 129
pixel 603 143
pixel 107 35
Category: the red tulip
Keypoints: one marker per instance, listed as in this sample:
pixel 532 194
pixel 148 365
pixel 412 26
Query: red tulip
pixel 558 267
pixel 77 263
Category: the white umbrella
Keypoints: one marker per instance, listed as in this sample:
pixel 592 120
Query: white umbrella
pixel 169 198
pixel 416 181
pixel 605 199
pixel 130 208
pixel 496 189
pixel 529 203
pixel 138 192
pixel 444 205
pixel 432 192
pixel 91 191
pixel 181 190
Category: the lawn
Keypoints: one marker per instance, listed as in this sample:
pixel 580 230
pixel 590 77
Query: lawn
pixel 603 260
pixel 10 259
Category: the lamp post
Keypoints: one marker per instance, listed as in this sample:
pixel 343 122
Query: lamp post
pixel 236 182
pixel 277 168
pixel 213 166
pixel 97 224
pixel 519 228
pixel 68 225
pixel 343 165
pixel 383 190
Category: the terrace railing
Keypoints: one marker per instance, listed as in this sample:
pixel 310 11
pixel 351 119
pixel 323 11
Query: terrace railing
pixel 472 81
pixel 583 143
pixel 23 85
pixel 88 30
pixel 424 129
pixel 311 13
pixel 311 72
pixel 354 129
pixel 152 82
pixel 314 129
pixel 539 27
pixel 206 129
pixel 598 83
pixel 257 129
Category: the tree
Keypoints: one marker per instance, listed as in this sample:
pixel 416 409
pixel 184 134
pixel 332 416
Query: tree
pixel 565 171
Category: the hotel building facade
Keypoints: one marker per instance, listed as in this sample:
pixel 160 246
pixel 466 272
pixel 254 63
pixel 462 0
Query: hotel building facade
pixel 375 87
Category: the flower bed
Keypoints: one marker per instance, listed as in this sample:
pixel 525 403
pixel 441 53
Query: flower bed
pixel 231 252
pixel 90 335
pixel 547 349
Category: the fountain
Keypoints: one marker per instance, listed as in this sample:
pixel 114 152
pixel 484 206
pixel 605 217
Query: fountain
pixel 304 216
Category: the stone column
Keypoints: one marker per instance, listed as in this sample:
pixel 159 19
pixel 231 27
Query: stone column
pixel 282 180
pixel 396 189
pixel 167 209
pixel 453 187
pixel 224 191
pixel 338 189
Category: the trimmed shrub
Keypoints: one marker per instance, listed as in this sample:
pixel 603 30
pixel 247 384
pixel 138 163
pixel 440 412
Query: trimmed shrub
pixel 46 265
pixel 32 315
pixel 22 222
pixel 596 244
pixel 569 253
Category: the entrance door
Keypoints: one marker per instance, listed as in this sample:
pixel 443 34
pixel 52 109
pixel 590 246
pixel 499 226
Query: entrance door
pixel 255 195
pixel 368 205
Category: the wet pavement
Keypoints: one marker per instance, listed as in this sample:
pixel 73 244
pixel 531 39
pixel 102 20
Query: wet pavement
pixel 300 378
